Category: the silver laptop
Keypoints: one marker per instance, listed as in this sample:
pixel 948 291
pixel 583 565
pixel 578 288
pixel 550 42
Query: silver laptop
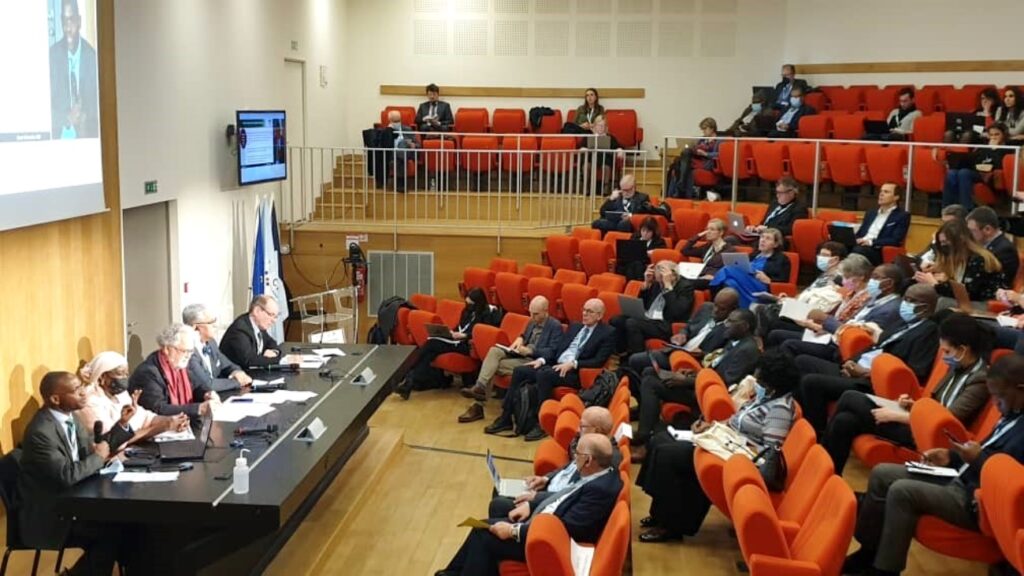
pixel 508 487
pixel 632 307
pixel 738 259
pixel 737 222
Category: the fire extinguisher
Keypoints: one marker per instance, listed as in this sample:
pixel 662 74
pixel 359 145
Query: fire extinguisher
pixel 358 263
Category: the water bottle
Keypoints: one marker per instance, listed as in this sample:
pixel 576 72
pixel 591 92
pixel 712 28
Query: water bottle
pixel 241 473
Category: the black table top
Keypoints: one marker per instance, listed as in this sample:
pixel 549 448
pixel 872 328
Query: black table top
pixel 282 469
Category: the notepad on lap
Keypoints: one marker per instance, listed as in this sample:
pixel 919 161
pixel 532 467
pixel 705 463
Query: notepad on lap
pixel 928 470
pixel 885 402
pixel 795 309
pixel 690 270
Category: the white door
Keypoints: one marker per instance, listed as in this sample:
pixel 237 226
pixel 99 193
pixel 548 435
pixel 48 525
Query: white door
pixel 295 101
pixel 147 277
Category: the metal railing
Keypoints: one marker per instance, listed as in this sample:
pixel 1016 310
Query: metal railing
pixel 517 183
pixel 820 160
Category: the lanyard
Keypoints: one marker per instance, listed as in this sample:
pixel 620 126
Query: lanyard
pixel 955 385
pixel 1002 428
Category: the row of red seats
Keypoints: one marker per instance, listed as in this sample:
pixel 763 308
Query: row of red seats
pixel 623 124
pixel 928 98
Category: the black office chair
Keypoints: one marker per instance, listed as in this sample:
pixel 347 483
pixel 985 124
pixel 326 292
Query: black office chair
pixel 9 467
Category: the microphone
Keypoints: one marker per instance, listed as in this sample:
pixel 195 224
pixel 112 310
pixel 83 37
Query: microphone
pixel 97 432
pixel 277 368
pixel 268 429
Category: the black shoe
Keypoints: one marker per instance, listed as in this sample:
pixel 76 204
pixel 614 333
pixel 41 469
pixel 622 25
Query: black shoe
pixel 859 562
pixel 537 433
pixel 648 522
pixel 502 424
pixel 655 535
pixel 404 389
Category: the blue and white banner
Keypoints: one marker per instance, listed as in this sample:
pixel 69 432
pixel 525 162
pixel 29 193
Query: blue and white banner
pixel 266 270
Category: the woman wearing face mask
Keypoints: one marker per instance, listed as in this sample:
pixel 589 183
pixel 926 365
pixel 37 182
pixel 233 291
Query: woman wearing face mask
pixel 163 377
pixel 978 166
pixel 958 258
pixel 765 416
pixel 746 124
pixel 767 265
pixel 965 344
pixel 822 294
pixel 108 401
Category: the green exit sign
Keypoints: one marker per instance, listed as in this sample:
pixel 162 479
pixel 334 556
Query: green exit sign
pixel 151 187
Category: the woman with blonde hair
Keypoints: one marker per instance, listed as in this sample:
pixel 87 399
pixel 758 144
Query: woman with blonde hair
pixel 958 258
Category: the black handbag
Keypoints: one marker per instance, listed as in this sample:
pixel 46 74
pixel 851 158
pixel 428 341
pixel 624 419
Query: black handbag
pixel 771 462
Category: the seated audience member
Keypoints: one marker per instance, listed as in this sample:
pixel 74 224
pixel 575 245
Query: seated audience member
pixel 107 401
pixel 540 339
pixel 650 234
pixel 901 119
pixel 733 361
pixel 789 122
pixel 896 499
pixel 593 420
pixel 783 210
pixel 56 455
pixel 978 166
pixel 1011 336
pixel 434 115
pixel 983 224
pixel 855 271
pixel 402 139
pixel 605 160
pixel 588 112
pixel 246 342
pixel 915 343
pixel 701 156
pixel 667 299
pixel 1011 115
pixel 746 124
pixel 769 264
pixel 583 506
pixel 585 345
pixel 988 105
pixel 163 377
pixel 620 205
pixel 678 504
pixel 949 213
pixel 965 344
pixel 886 225
pixel 423 376
pixel 704 333
pixel 960 259
pixel 712 245
pixel 822 294
pixel 207 363
pixel 784 89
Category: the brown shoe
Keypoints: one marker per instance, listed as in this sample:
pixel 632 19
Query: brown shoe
pixel 472 414
pixel 476 392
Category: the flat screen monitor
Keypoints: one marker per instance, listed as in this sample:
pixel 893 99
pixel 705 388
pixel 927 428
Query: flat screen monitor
pixel 262 152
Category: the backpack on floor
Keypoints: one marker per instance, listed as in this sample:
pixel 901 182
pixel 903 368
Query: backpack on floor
pixel 525 407
pixel 600 394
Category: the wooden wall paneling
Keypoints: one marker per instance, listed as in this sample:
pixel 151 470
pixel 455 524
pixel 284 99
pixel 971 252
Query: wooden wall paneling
pixel 911 67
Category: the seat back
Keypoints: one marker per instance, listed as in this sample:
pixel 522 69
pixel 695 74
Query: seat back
pixel 801 158
pixel 418 319
pixel 611 304
pixel 566 427
pixel 825 534
pixel 808 233
pixel 608 281
pixel 805 484
pixel 881 99
pixel 753 211
pixel 726 156
pixel 557 154
pixel 547 547
pixel 511 290
pixel 548 288
pixel 537 271
pixel 929 128
pixel 1002 505
pixel 450 311
pixel 816 100
pixel 659 254
pixel 439 155
pixel 623 125
pixel 757 525
pixel 926 99
pixel 835 216
pixel 428 302
pixel 508 121
pixel 566 276
pixel 848 127
pixel 929 172
pixel 574 296
pixel 400 333
pixel 471 120
pixel 408 115
pixel 513 325
pixel 963 100
pixel 562 251
pixel 479 153
pixel 846 99
pixel 769 160
pixel 596 257
pixel 473 277
pixel 846 164
pixel 853 341
pixel 929 420
pixel 887 164
pixel 503 265
pixel 518 154
pixel 550 124
pixel 815 126
pixel 689 222
pixel 586 233
pixel 716 404
pixel 613 545
pixel 706 378
pixel 797 444
pixel 891 377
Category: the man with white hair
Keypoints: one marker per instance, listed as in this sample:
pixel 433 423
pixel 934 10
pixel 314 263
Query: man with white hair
pixel 623 203
pixel 163 377
pixel 207 363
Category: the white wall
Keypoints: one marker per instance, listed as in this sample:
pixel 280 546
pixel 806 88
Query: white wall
pixel 826 31
pixel 183 68
pixel 680 90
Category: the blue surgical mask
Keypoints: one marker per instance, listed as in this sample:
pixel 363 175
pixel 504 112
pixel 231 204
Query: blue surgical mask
pixel 874 288
pixel 823 262
pixel 755 107
pixel 952 361
pixel 759 392
pixel 908 311
pixel 794 101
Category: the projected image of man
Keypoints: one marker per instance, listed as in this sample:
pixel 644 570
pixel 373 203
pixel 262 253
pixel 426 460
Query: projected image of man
pixel 73 94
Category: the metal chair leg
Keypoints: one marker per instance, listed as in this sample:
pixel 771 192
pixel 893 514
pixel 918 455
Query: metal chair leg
pixel 35 563
pixel 60 560
pixel 3 567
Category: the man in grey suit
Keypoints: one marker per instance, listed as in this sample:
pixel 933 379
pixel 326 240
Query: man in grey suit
pixel 207 363
pixel 434 115
pixel 74 97
pixel 56 455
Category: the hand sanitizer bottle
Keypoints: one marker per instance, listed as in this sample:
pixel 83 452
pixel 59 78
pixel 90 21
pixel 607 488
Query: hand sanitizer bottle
pixel 241 473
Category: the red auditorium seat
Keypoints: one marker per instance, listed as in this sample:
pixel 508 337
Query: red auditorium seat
pixel 439 156
pixel 801 160
pixel 471 120
pixel 561 252
pixel 770 159
pixel 573 298
pixel 848 99
pixel 508 121
pixel 887 164
pixel 518 154
pixel 930 128
pixel 963 100
pixel 550 124
pixel 689 222
pixel 815 126
pixel 846 164
pixel 503 265
pixel 881 99
pixel 623 124
pixel 567 276
pixel 816 100
pixel 726 155
pixel 473 277
pixel 537 271
pixel 848 127
pixel 926 99
pixel 929 176
pixel 548 288
pixel 479 155
pixel 557 155
pixel 511 290
pixel 596 257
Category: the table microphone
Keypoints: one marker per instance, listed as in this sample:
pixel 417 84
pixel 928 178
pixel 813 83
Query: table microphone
pixel 268 429
pixel 97 432
pixel 277 368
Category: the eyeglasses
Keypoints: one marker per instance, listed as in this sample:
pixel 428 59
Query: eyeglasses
pixel 268 312
pixel 185 351
pixel 578 453
pixel 591 311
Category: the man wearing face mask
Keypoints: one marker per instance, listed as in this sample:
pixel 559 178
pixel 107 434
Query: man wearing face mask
pixel 822 294
pixel 896 499
pixel 747 123
pixel 107 401
pixel 789 121
pixel 402 139
pixel 916 343
pixel 163 377
pixel 784 89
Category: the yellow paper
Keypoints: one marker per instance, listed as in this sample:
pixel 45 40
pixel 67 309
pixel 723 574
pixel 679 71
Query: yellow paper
pixel 474 523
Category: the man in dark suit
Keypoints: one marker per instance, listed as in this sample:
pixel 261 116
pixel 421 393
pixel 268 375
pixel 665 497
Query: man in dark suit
pixel 915 343
pixel 586 345
pixel 207 363
pixel 783 90
pixel 540 339
pixel 74 104
pixel 983 223
pixel 434 115
pixel 886 225
pixel 164 379
pixel 623 203
pixel 789 122
pixel 896 499
pixel 583 507
pixel 246 342
pixel 56 455
pixel 667 299
pixel 782 211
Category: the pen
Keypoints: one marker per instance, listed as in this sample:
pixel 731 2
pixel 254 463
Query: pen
pixel 236 399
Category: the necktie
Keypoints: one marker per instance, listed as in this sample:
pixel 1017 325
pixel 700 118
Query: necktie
pixel 433 110
pixel 574 347
pixel 694 344
pixel 259 342
pixel 72 438
pixel 208 358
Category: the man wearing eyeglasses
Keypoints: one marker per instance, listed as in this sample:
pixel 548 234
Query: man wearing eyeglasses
pixel 247 342
pixel 163 377
pixel 207 363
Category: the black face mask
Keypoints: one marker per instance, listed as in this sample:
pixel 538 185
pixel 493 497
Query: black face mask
pixel 118 385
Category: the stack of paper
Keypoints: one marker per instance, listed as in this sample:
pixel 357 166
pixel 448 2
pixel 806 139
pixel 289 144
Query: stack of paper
pixel 235 411
pixel 928 470
pixel 146 476
pixel 169 436
pixel 272 398
pixel 682 435
pixel 275 382
pixel 795 309
pixel 312 361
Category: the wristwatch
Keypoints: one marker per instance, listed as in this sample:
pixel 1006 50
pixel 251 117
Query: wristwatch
pixel 515 531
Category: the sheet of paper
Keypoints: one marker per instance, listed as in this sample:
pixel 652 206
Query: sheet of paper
pixel 795 309
pixel 1006 320
pixel 926 470
pixel 274 382
pixel 328 352
pixel 115 466
pixel 235 411
pixel 581 557
pixel 624 429
pixel 810 336
pixel 146 476
pixel 474 523
pixel 885 403
pixel 278 396
pixel 690 270
pixel 169 436
pixel 683 435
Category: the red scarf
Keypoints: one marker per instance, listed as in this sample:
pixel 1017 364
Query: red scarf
pixel 178 385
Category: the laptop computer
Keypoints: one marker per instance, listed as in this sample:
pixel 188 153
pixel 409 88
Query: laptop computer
pixel 509 488
pixel 632 307
pixel 876 127
pixel 187 449
pixel 842 234
pixel 736 259
pixel 603 142
pixel 960 122
pixel 737 222
pixel 630 251
pixel 438 331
